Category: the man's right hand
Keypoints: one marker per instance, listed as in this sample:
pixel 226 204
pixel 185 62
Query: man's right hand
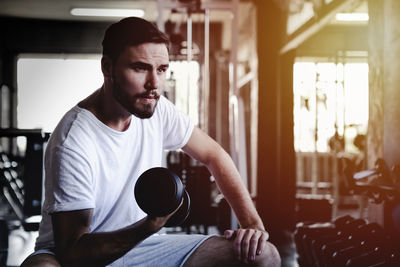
pixel 156 223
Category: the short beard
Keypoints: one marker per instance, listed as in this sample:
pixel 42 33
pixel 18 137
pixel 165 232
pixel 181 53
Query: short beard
pixel 145 112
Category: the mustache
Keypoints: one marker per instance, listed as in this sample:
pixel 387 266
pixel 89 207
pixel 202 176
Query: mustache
pixel 154 94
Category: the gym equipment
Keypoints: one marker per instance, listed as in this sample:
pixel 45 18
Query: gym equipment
pixel 237 114
pixel 159 192
pixel 346 242
pixel 377 184
pixel 316 236
pixel 31 178
pixel 21 178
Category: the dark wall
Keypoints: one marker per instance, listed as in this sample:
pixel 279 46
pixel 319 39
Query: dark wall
pixel 46 36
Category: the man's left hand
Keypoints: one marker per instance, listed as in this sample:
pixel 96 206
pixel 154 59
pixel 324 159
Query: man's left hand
pixel 247 243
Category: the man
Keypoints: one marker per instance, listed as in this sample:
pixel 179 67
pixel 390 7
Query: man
pixel 102 145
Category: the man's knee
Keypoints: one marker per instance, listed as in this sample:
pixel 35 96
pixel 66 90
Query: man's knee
pixel 269 257
pixel 41 260
pixel 218 251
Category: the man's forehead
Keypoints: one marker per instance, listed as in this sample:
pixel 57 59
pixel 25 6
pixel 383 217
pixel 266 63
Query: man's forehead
pixel 148 52
pixel 148 47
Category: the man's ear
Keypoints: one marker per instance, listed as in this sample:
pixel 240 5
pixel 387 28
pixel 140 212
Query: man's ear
pixel 106 66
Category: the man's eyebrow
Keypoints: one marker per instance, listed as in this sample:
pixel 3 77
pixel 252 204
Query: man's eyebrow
pixel 164 66
pixel 147 66
pixel 142 65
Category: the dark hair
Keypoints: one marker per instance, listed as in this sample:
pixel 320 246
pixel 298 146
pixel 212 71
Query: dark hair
pixel 130 31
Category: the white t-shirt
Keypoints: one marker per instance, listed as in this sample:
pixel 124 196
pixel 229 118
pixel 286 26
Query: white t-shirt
pixel 88 165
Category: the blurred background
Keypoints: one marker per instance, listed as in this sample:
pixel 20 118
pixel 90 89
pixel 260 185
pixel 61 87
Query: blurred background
pixel 303 94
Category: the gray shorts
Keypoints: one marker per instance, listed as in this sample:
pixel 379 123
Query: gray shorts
pixel 156 250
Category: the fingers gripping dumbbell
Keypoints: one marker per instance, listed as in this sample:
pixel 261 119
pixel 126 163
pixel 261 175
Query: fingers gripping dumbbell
pixel 159 192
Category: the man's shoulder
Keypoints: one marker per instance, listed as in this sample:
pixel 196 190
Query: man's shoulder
pixel 74 127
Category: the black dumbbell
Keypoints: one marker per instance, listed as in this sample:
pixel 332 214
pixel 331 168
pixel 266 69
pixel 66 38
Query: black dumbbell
pixel 159 191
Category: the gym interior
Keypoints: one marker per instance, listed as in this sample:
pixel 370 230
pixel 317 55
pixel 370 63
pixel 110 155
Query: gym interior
pixel 303 94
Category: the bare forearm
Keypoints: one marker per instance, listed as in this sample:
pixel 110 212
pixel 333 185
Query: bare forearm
pixel 100 249
pixel 204 149
pixel 230 183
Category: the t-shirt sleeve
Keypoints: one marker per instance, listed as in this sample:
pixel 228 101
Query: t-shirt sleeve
pixel 68 174
pixel 178 127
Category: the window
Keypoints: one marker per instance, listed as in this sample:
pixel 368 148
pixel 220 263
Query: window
pixel 186 75
pixel 50 85
pixel 329 98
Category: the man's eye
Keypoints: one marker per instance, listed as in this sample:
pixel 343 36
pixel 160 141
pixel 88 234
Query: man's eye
pixel 162 70
pixel 139 68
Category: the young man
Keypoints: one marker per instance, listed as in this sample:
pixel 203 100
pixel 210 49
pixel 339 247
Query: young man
pixel 102 145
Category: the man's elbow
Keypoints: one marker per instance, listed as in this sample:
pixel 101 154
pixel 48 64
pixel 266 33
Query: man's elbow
pixel 68 257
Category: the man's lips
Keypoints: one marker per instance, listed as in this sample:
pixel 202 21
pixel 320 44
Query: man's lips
pixel 149 96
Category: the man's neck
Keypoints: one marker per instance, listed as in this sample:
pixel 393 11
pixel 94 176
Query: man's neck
pixel 107 110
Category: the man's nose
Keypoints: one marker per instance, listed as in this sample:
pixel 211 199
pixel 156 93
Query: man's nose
pixel 153 81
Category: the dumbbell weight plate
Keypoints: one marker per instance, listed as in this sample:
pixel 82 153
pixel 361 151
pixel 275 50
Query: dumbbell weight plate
pixel 159 192
pixel 181 214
